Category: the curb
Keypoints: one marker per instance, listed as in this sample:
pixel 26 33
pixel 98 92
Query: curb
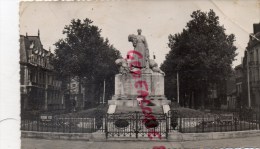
pixel 97 136
pixel 177 136
pixel 173 136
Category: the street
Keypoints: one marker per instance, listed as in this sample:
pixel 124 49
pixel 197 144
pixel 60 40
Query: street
pixel 28 143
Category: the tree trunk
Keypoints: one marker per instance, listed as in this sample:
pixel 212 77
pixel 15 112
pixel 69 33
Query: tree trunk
pixel 192 100
pixel 202 103
pixel 81 102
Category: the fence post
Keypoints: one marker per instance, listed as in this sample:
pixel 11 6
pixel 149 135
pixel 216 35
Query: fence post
pixel 62 123
pixel 52 124
pixel 82 124
pixel 136 124
pixel 70 123
pixel 106 132
pixel 180 128
pixel 235 118
pixel 258 115
pixel 28 125
pixel 38 120
pixel 202 123
pixel 167 129
pixel 94 124
pixel 216 121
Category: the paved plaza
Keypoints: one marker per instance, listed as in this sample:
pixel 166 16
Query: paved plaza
pixel 250 142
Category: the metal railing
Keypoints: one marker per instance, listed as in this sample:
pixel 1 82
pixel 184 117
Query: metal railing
pixel 212 123
pixel 168 123
pixel 63 124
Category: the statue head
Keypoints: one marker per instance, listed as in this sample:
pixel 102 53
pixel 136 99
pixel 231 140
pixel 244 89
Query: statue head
pixel 139 31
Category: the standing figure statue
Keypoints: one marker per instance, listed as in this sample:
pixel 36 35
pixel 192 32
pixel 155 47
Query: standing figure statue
pixel 140 45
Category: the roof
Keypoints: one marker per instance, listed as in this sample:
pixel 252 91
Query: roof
pixel 23 52
pixel 31 44
pixel 254 40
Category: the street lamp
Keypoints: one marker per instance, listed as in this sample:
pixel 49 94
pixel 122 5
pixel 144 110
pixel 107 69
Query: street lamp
pixel 178 88
pixel 248 77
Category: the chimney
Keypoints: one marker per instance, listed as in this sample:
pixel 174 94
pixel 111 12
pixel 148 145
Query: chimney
pixel 38 33
pixel 256 28
pixel 250 36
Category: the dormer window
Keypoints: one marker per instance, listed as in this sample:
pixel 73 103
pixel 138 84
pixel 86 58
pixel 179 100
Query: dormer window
pixel 31 45
pixel 37 50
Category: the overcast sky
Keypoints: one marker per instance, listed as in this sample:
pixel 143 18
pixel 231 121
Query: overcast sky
pixel 157 19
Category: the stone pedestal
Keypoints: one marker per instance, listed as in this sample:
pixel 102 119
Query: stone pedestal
pixel 125 84
pixel 126 93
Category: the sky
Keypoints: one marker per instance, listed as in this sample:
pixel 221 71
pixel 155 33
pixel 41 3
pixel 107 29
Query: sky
pixel 157 19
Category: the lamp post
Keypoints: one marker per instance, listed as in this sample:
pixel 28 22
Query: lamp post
pixel 178 88
pixel 104 92
pixel 248 81
pixel 248 77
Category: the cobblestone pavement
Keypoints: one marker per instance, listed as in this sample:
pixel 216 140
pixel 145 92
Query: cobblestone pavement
pixel 28 143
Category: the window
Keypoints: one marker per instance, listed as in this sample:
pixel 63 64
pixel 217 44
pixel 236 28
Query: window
pixel 258 74
pixel 40 77
pixel 33 77
pixel 257 58
pixel 49 79
pixel 251 58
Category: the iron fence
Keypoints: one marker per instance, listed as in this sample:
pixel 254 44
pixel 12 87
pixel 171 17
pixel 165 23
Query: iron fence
pixel 132 124
pixel 136 124
pixel 63 124
pixel 212 122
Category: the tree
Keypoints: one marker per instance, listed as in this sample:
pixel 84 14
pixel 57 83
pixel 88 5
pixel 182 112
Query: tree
pixel 84 54
pixel 202 54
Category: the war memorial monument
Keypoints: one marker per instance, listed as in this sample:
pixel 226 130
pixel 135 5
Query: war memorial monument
pixel 137 73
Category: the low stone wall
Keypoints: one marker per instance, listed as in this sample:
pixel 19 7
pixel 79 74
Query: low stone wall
pixel 173 136
pixel 177 136
pixel 97 136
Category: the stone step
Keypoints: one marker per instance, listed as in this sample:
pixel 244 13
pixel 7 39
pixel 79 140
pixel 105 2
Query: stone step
pixel 134 139
pixel 123 109
pixel 111 109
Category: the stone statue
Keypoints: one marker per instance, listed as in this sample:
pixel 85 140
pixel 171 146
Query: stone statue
pixel 122 63
pixel 146 65
pixel 140 45
pixel 154 66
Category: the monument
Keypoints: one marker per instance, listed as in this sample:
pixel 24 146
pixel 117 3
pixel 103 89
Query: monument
pixel 138 75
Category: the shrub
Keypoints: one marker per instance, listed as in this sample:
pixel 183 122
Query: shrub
pixel 151 124
pixel 121 123
pixel 174 119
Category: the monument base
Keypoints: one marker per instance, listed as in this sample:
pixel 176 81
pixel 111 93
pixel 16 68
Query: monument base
pixel 128 87
pixel 133 101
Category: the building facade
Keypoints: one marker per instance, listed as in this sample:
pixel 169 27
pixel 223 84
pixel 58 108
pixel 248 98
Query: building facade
pixel 240 80
pixel 40 86
pixel 253 53
pixel 231 103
